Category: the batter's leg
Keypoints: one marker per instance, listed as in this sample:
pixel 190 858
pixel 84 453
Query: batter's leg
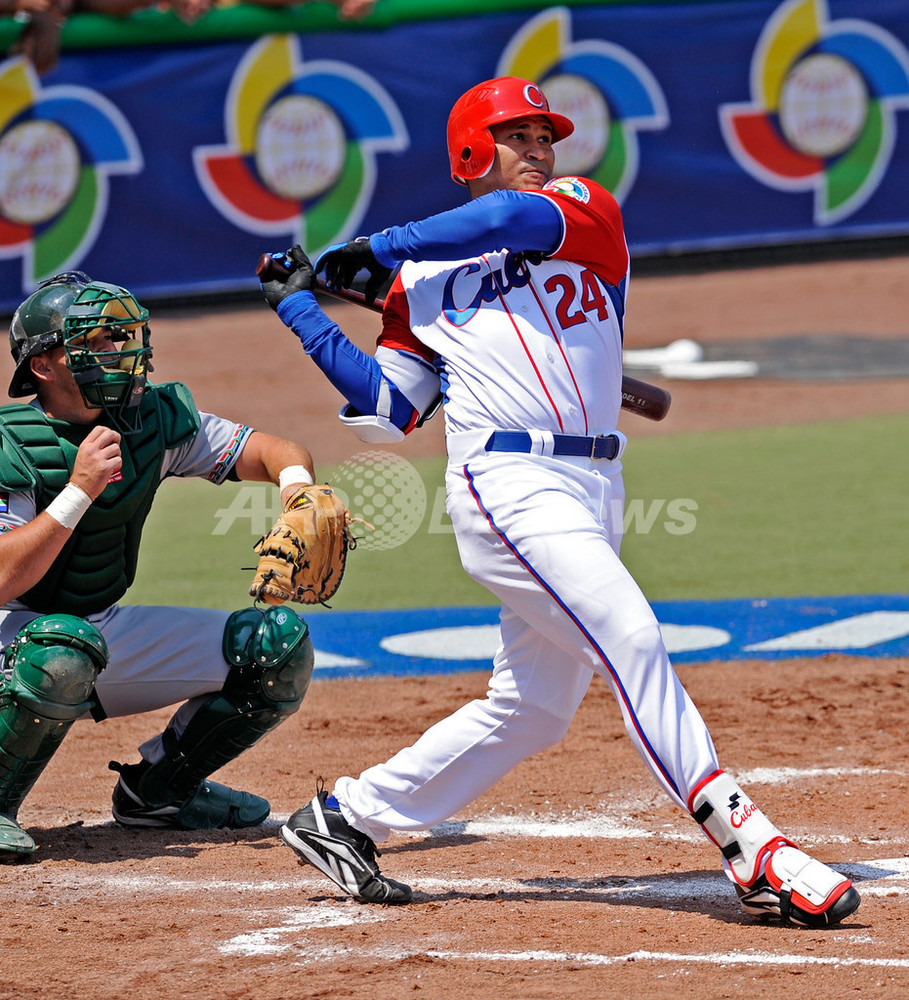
pixel 533 694
pixel 568 583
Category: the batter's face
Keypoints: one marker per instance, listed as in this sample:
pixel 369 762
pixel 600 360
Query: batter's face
pixel 524 159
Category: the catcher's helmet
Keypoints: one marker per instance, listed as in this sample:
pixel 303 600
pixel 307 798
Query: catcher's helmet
pixel 37 326
pixel 70 309
pixel 471 148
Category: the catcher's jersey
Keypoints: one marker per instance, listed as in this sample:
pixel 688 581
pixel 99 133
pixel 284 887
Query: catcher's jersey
pixel 209 453
pixel 523 345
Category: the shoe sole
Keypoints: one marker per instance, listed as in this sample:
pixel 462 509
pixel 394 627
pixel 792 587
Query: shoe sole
pixel 171 823
pixel 844 907
pixel 146 821
pixel 9 853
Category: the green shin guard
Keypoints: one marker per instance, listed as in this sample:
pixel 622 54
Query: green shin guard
pixel 52 663
pixel 271 658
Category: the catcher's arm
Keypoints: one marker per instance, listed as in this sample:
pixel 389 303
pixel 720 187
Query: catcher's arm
pixel 269 459
pixel 29 551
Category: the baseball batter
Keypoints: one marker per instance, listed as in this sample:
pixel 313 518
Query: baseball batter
pixel 79 468
pixel 512 307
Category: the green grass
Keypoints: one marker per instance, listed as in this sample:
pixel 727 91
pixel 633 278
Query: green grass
pixel 186 559
pixel 815 509
pixel 809 510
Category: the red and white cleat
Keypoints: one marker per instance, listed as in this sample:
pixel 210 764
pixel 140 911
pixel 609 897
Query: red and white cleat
pixel 799 890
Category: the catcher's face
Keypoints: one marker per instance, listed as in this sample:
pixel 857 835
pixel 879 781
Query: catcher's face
pixel 57 389
pixel 524 159
pixel 110 368
pixel 113 349
pixel 91 374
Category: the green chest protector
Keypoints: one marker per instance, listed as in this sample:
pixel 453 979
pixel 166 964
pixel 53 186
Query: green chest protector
pixel 98 562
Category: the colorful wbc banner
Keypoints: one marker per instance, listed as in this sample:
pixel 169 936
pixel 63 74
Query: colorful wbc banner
pixel 169 166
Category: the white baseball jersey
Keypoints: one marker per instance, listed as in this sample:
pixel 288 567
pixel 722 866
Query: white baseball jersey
pixel 534 348
pixel 523 345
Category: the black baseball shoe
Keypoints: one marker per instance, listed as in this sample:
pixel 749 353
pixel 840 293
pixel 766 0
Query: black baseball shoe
pixel 799 890
pixel 321 837
pixel 210 807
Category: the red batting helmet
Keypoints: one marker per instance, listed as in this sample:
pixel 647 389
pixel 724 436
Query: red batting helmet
pixel 471 149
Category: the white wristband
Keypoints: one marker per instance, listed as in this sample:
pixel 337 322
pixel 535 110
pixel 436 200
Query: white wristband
pixel 294 474
pixel 69 505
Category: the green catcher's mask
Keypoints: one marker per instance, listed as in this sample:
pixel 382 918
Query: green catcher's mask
pixel 71 310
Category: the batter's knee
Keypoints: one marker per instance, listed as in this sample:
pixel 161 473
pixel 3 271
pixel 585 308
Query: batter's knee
pixel 532 725
pixel 640 645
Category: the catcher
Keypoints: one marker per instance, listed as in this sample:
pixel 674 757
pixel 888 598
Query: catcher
pixel 79 468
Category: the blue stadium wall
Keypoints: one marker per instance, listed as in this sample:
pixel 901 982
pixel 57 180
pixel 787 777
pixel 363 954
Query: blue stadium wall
pixel 167 158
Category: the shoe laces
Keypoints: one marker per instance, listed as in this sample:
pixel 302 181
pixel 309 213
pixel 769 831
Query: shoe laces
pixel 364 843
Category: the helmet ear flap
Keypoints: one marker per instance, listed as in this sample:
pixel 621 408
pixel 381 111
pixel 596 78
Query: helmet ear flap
pixel 471 148
pixel 477 156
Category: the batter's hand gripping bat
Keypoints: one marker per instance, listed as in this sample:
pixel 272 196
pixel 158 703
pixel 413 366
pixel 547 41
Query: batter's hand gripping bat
pixel 650 401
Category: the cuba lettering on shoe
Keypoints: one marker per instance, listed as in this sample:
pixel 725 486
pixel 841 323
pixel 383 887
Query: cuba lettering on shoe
pixel 211 806
pixel 321 837
pixel 772 877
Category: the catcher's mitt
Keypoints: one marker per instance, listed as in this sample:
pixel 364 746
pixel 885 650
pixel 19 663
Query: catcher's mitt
pixel 302 558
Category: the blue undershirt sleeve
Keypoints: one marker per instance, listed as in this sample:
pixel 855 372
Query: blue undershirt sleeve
pixel 354 373
pixel 512 220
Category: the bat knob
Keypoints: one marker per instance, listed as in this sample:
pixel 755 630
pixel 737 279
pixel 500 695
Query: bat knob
pixel 271 266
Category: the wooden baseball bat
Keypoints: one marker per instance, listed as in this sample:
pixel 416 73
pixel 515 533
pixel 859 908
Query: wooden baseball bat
pixel 643 398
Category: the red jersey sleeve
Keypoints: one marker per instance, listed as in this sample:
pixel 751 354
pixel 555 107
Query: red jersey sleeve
pixel 396 333
pixel 594 235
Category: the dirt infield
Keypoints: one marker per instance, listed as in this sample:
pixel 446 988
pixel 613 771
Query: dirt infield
pixel 573 877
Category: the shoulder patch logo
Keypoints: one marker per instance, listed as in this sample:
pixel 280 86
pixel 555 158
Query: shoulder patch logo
pixel 574 187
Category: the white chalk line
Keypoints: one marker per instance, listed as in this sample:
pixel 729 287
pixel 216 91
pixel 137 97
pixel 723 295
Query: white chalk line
pixel 602 828
pixel 291 941
pixel 887 877
pixel 677 958
pixel 889 874
pixel 781 775
pixel 269 940
pixel 307 954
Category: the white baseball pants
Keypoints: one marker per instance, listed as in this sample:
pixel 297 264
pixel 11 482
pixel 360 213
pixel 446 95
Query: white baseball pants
pixel 543 534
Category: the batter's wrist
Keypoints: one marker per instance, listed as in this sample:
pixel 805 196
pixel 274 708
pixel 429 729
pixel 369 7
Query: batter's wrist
pixel 381 250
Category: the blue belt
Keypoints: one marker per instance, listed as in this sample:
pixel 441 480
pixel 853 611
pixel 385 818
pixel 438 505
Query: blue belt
pixel 602 446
